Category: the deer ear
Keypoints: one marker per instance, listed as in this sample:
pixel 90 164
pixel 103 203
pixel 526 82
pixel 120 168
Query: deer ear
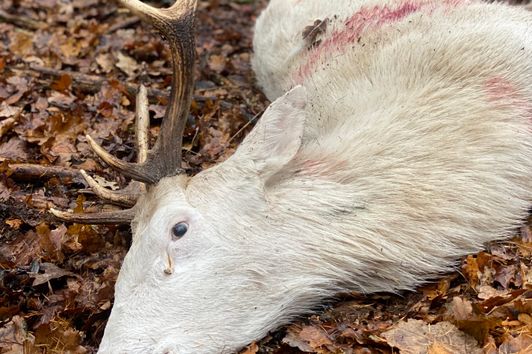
pixel 277 136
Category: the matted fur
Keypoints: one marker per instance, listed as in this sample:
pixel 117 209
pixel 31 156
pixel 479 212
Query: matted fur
pixel 407 146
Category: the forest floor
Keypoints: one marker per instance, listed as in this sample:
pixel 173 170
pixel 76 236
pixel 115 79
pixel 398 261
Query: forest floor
pixel 72 67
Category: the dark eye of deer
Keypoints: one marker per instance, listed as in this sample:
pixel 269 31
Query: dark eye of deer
pixel 179 230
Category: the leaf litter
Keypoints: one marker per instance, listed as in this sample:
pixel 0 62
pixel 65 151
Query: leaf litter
pixel 72 67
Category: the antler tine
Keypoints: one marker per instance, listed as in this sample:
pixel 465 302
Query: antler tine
pixel 142 124
pixel 176 24
pixel 128 196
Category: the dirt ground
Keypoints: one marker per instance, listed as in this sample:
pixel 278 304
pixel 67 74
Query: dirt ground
pixel 72 67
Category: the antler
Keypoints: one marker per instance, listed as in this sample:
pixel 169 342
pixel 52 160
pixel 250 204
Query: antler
pixel 176 24
pixel 164 159
pixel 129 195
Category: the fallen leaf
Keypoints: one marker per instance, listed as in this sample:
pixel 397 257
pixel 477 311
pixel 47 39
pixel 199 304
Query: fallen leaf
pixel 461 308
pixel 61 100
pixel 51 271
pixel 105 61
pixel 522 344
pixel 14 337
pixel 217 63
pixel 6 125
pixel 307 338
pixel 14 149
pixel 487 292
pixel 416 337
pixel 9 111
pixel 14 223
pixel 253 348
pixel 127 64
pixel 62 83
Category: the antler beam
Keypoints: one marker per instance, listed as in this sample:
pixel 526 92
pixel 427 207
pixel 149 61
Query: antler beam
pixel 176 24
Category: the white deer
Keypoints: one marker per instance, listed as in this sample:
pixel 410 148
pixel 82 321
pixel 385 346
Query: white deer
pixel 403 143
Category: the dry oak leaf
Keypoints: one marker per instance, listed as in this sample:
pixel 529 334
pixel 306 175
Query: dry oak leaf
pixel 127 64
pixel 106 62
pixel 307 338
pixel 253 348
pixel 14 223
pixel 51 271
pixel 521 344
pixel 7 111
pixel 418 337
pixel 461 309
pixel 14 149
pixel 14 337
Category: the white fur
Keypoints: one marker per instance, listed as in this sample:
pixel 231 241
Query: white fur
pixel 413 149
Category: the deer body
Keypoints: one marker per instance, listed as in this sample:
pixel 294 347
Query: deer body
pixel 407 145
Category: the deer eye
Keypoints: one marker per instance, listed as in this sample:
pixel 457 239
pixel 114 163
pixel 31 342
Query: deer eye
pixel 179 230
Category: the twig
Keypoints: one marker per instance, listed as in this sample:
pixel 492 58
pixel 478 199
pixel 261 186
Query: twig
pixel 244 127
pixel 123 24
pixel 93 83
pixel 20 21
pixel 26 171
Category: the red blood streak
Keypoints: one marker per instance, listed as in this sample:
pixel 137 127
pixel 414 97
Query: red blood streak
pixel 503 93
pixel 364 20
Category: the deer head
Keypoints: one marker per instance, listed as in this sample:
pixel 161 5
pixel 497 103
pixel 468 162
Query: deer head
pixel 190 232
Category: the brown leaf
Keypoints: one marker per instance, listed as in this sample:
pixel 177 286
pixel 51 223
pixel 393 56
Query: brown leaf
pixel 61 100
pixel 471 270
pixel 217 63
pixel 127 64
pixel 51 241
pixel 526 233
pixel 21 43
pixel 9 111
pixel 105 61
pixel 439 348
pixel 14 338
pixel 416 337
pixel 487 292
pixel 253 348
pixel 6 125
pixel 14 223
pixel 14 149
pixel 62 83
pixel 51 271
pixel 521 344
pixel 312 32
pixel 307 338
pixel 60 335
pixel 461 309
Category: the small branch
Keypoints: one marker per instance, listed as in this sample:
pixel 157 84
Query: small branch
pixel 93 83
pixel 29 172
pixel 123 24
pixel 19 21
